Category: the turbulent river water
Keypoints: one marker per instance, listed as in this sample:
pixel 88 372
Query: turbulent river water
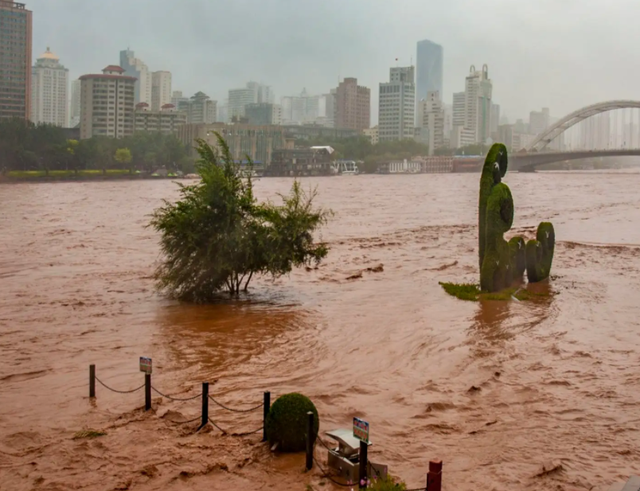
pixel 498 390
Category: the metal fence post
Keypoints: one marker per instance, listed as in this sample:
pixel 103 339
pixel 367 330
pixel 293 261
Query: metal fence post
pixel 434 476
pixel 147 391
pixel 364 450
pixel 266 407
pixel 92 380
pixel 205 404
pixel 309 463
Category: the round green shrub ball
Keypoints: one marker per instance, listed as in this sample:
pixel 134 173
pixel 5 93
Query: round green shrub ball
pixel 287 422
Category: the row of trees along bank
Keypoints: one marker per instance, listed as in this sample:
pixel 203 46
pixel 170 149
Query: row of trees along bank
pixel 25 146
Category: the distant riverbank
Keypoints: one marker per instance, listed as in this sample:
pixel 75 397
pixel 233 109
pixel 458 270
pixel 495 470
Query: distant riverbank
pixel 80 175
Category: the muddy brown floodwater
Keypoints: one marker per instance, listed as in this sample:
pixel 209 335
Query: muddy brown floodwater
pixel 556 380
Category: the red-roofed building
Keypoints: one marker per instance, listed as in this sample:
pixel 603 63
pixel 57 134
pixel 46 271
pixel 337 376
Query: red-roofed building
pixel 107 104
pixel 167 120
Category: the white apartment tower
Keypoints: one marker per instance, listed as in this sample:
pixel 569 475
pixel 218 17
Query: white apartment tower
pixel 478 91
pixel 49 91
pixel 160 89
pixel 396 110
pixel 106 104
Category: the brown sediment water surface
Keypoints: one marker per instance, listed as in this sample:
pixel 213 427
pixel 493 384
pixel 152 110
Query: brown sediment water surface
pixel 497 390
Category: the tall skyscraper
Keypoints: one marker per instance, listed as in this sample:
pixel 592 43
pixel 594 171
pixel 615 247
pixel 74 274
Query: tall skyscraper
pixel 49 91
pixel 396 109
pixel 15 60
pixel 495 120
pixel 160 89
pixel 106 103
pixel 539 121
pixel 429 69
pixel 76 88
pixel 478 91
pixel 133 67
pixel 353 105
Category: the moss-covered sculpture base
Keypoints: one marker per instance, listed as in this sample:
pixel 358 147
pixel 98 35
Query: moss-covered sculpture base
pixel 472 292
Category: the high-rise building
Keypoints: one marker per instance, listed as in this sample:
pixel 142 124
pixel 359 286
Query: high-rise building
pixel 495 120
pixel 459 101
pixel 134 67
pixel 49 91
pixel 76 87
pixel 199 109
pixel 107 103
pixel 478 91
pixel 177 98
pixel 252 93
pixel 15 60
pixel 433 120
pixel 538 121
pixel 353 105
pixel 160 89
pixel 327 109
pixel 396 108
pixel 429 69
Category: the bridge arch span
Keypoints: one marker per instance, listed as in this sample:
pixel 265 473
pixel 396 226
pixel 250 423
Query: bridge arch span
pixel 548 135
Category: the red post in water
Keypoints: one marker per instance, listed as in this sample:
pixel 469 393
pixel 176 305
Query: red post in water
pixel 434 476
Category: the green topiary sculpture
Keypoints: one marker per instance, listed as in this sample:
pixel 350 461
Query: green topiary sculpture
pixel 540 252
pixel 495 167
pixel 287 422
pixel 501 262
pixel 497 270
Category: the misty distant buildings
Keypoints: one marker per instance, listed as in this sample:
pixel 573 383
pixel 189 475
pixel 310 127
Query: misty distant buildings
pixel 134 67
pixel 262 113
pixel 160 89
pixel 76 87
pixel 200 109
pixel 107 103
pixel 353 105
pixel 15 60
pixel 396 110
pixel 251 94
pixel 428 68
pixel 458 110
pixel 49 91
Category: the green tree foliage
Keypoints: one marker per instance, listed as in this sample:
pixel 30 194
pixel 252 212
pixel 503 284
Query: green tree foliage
pixel 217 236
pixel 123 156
pixel 286 422
pixel 26 146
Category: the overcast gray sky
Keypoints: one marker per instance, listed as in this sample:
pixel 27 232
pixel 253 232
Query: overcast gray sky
pixel 561 54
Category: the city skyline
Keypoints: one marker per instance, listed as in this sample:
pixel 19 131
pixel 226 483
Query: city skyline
pixel 528 69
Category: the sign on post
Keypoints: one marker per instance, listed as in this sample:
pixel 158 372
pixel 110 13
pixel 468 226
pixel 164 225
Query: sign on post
pixel 145 365
pixel 361 429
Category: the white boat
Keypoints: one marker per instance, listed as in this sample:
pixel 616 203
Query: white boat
pixel 346 167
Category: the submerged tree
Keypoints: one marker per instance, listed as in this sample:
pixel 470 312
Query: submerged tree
pixel 217 236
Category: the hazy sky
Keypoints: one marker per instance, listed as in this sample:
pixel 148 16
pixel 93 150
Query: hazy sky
pixel 561 54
